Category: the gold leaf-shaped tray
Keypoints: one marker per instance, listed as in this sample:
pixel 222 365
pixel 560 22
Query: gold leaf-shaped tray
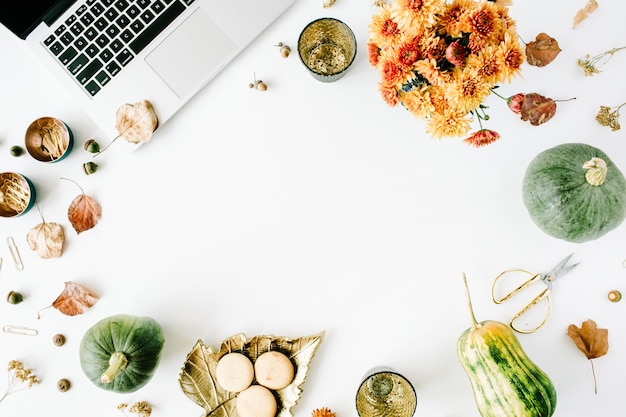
pixel 198 382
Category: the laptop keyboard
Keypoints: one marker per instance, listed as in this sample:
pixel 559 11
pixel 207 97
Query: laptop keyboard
pixel 96 42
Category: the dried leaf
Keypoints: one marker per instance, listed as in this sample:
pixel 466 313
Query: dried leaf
pixel 46 239
pixel 537 109
pixel 75 299
pixel 542 50
pixel 198 382
pixel 84 213
pixel 584 13
pixel 136 122
pixel 591 341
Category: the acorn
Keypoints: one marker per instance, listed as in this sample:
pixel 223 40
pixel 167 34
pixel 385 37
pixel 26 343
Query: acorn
pixel 285 50
pixel 63 385
pixel 14 297
pixel 92 146
pixel 90 167
pixel 16 150
pixel 258 84
pixel 58 339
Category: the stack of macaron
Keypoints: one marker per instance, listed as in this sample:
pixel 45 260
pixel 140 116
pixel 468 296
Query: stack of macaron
pixel 254 382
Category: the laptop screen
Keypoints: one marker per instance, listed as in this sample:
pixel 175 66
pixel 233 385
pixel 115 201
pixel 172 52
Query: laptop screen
pixel 23 16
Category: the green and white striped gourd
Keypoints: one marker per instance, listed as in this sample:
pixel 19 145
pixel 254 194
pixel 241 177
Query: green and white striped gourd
pixel 506 383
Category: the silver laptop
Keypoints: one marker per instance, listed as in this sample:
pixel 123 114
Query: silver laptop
pixel 112 52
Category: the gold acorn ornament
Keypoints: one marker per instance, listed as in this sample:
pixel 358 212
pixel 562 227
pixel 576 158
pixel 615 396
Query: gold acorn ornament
pixel 258 84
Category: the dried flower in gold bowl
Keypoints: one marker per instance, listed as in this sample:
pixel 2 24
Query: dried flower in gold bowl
pixel 440 59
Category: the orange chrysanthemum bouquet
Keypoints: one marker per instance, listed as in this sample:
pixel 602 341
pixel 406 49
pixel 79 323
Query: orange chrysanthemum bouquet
pixel 441 59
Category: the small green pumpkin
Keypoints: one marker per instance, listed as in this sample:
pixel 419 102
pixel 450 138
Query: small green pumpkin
pixel 121 353
pixel 505 382
pixel 574 192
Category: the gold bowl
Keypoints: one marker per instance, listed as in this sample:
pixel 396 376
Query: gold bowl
pixel 327 48
pixel 48 139
pixel 17 194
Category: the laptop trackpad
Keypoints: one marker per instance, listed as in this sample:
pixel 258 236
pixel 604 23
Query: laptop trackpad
pixel 195 50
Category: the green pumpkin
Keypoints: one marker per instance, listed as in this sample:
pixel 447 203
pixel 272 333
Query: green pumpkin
pixel 574 192
pixel 120 353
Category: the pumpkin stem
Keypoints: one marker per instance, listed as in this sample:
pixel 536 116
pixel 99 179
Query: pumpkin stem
pixel 117 362
pixel 469 303
pixel 596 171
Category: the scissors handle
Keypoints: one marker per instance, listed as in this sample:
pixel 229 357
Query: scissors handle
pixel 499 300
pixel 543 295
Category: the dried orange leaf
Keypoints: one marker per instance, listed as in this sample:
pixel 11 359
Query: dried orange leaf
pixel 542 50
pixel 537 109
pixel 46 239
pixel 75 299
pixel 591 341
pixel 136 122
pixel 584 13
pixel 84 213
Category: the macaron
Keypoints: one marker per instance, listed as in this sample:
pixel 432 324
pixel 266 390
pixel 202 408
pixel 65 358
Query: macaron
pixel 256 401
pixel 234 372
pixel 273 370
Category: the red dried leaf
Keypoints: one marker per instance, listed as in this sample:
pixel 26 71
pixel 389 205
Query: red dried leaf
pixel 84 213
pixel 75 299
pixel 542 50
pixel 537 109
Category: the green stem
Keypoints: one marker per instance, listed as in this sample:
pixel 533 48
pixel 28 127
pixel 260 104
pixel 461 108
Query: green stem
pixel 596 171
pixel 493 90
pixel 117 362
pixel 469 304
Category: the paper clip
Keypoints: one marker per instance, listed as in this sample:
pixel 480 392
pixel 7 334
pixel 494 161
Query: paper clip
pixel 15 253
pixel 23 330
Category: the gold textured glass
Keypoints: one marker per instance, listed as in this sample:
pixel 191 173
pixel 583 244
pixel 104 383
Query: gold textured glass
pixel 384 392
pixel 327 47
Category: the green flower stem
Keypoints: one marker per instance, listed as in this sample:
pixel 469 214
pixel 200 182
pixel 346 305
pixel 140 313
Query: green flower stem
pixel 117 362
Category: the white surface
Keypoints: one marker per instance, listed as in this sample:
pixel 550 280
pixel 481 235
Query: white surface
pixel 314 207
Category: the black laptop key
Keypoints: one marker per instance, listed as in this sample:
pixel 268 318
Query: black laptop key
pixel 77 65
pixel 133 12
pixel 91 34
pixel 116 45
pixel 77 28
pixel 82 9
pixel 157 27
pixel 147 16
pixel 113 68
pixel 122 21
pixel 157 7
pixel 124 57
pixel 127 36
pixel 97 9
pixel 102 40
pixel 92 50
pixel 101 24
pixel 89 71
pixel 87 19
pixel 56 48
pixel 106 55
pixel 143 3
pixel 67 38
pixel 107 2
pixel 111 14
pixel 121 5
pixel 92 88
pixel 112 31
pixel 103 78
pixel 137 26
pixel 60 30
pixel 189 2
pixel 70 20
pixel 80 43
pixel 67 55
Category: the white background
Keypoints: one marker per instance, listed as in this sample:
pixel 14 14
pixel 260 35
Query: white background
pixel 316 207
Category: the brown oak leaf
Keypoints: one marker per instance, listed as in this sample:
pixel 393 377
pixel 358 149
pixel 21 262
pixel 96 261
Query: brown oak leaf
pixel 542 50
pixel 84 213
pixel 537 109
pixel 591 341
pixel 75 299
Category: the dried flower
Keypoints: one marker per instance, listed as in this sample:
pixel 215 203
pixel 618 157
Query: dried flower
pixel 532 107
pixel 482 137
pixel 440 59
pixel 141 408
pixel 322 412
pixel 19 374
pixel 609 116
pixel 592 64
pixel 327 3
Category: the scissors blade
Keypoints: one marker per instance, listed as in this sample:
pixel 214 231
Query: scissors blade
pixel 560 269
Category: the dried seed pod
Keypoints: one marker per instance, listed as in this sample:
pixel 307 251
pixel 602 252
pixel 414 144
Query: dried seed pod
pixel 258 84
pixel 614 296
pixel 63 385
pixel 58 339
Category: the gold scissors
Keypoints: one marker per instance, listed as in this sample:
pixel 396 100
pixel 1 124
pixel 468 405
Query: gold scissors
pixel 559 269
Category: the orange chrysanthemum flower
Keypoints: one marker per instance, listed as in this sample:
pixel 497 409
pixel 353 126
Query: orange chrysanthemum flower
pixel 411 15
pixel 486 65
pixel 482 137
pixel 323 412
pixel 418 102
pixel 511 57
pixel 408 53
pixel 448 124
pixel 466 90
pixel 373 53
pixel 389 94
pixel 384 31
pixel 485 27
pixel 453 21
